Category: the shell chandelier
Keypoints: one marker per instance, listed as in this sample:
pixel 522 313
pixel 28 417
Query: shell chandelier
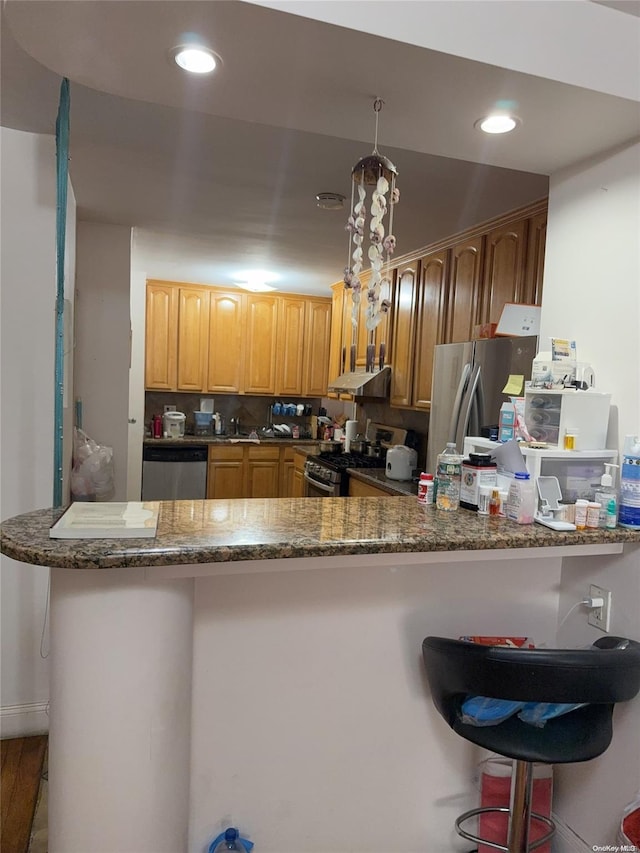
pixel 367 219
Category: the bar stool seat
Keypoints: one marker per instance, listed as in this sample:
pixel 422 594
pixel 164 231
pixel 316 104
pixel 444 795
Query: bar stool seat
pixel 600 676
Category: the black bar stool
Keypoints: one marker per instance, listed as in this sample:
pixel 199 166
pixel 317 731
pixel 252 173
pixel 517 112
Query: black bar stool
pixel 606 673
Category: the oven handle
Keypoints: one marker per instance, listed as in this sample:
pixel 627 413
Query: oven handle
pixel 329 489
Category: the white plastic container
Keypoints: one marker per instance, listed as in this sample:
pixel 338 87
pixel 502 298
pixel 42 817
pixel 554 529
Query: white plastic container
pixel 581 514
pixel 521 500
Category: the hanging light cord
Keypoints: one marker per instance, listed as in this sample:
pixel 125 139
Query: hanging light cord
pixel 377 106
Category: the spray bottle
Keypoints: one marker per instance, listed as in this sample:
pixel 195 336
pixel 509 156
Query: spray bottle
pixel 604 495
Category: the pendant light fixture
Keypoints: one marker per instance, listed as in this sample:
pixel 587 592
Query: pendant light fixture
pixel 370 228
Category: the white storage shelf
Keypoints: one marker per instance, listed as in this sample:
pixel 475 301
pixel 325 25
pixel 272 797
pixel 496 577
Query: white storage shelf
pixel 578 471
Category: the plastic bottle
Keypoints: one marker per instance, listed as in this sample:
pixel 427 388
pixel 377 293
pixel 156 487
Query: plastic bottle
pixel 230 840
pixel 606 493
pixel 521 500
pixel 425 489
pixel 611 516
pixel 581 514
pixel 157 426
pixel 449 475
pixel 629 506
pixel 593 514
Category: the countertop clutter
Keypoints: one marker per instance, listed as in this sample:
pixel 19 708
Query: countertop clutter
pixel 216 531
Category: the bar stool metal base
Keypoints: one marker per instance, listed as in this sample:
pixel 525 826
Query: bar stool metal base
pixel 474 812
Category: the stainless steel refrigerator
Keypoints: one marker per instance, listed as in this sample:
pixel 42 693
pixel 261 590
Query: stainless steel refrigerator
pixel 466 393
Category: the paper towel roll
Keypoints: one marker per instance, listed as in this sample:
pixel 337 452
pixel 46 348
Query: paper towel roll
pixel 350 432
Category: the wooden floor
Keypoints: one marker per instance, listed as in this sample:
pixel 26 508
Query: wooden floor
pixel 22 760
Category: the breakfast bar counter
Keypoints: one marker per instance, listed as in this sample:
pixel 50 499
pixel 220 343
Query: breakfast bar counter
pixel 257 663
pixel 258 529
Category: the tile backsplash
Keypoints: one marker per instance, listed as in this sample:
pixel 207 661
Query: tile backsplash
pixel 255 412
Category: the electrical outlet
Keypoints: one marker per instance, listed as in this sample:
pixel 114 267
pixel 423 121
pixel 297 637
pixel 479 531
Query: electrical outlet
pixel 600 617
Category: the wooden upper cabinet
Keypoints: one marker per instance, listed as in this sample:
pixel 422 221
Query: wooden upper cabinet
pixel 316 349
pixel 261 345
pixel 336 341
pixel 161 337
pixel 505 256
pixel 464 305
pixel 430 307
pixel 226 348
pixel 193 337
pixel 291 345
pixel 404 306
pixel 536 241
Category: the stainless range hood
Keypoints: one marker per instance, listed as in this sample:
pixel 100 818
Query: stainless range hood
pixel 362 383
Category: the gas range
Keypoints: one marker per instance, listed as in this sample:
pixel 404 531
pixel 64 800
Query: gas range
pixel 325 474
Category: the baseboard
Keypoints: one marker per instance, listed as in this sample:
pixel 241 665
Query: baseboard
pixel 565 840
pixel 24 720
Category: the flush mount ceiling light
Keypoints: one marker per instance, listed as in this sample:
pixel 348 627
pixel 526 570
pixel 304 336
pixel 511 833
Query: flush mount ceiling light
pixel 255 280
pixel 330 201
pixel 195 58
pixel 498 123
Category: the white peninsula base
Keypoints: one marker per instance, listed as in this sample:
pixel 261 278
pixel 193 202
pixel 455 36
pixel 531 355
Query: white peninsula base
pixel 285 697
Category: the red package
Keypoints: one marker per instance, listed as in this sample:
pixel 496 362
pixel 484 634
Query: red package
pixel 509 642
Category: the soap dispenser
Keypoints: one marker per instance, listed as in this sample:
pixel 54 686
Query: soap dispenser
pixel 605 495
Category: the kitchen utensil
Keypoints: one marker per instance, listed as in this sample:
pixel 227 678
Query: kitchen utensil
pixel 173 424
pixel 359 445
pixel 376 450
pixel 329 447
pixel 401 460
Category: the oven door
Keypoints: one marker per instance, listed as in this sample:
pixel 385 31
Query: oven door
pixel 316 489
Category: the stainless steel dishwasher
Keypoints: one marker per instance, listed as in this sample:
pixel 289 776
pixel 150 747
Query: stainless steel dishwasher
pixel 174 473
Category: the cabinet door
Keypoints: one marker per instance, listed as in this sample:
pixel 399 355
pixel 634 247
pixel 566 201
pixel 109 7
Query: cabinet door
pixel 536 240
pixel 503 269
pixel 226 343
pixel 297 484
pixel 193 334
pixel 434 269
pixel 263 469
pixel 316 347
pixel 359 489
pixel 404 303
pixel 260 365
pixel 161 337
pixel 291 345
pixel 464 306
pixel 337 337
pixel 287 468
pixel 226 472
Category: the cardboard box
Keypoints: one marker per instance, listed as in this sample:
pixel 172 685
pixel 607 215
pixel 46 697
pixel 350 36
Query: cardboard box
pixel 484 330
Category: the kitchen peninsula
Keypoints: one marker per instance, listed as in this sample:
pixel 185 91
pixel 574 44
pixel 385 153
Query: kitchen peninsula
pixel 258 662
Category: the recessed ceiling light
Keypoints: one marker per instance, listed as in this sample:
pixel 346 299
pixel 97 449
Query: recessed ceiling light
pixel 497 123
pixel 330 201
pixel 195 58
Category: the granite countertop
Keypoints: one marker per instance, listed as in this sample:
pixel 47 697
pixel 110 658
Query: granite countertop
pixel 377 477
pixel 213 531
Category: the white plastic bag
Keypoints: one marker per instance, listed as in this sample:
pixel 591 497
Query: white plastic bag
pixel 92 471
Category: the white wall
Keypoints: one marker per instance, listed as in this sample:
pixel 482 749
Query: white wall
pixel 28 279
pixel 136 376
pixel 557 39
pixel 592 294
pixel 102 351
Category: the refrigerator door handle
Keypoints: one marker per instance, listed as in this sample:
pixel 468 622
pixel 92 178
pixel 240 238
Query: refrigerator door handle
pixel 465 409
pixel 479 403
pixel 457 405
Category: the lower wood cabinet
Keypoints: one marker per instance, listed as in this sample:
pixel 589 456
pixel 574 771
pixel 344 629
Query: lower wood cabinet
pixel 225 472
pixel 254 471
pixel 358 489
pixel 297 477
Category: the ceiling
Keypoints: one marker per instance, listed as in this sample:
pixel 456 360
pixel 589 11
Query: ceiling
pixel 219 174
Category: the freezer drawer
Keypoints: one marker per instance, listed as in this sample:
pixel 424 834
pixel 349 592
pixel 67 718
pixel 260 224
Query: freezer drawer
pixel 174 473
